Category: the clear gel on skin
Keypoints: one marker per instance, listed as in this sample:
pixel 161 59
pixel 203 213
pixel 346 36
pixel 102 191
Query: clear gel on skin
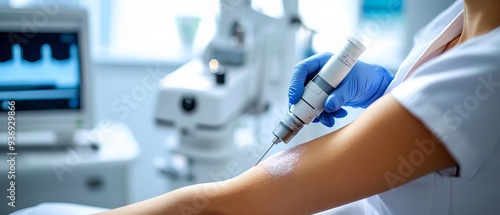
pixel 284 162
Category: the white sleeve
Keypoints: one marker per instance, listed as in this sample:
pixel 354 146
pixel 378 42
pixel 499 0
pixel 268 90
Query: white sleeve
pixel 457 97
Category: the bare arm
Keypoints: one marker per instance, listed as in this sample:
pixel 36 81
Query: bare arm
pixel 352 163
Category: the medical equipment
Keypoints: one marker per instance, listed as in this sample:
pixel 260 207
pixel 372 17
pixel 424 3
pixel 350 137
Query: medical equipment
pixel 317 90
pixel 79 174
pixel 45 70
pixel 203 100
pixel 364 84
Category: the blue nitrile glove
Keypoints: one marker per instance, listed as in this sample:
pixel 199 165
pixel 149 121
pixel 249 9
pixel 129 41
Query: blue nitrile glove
pixel 364 84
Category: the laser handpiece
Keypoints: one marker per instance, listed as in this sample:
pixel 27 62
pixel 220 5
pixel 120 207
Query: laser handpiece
pixel 311 104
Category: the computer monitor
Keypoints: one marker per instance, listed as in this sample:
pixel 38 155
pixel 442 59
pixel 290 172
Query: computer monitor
pixel 44 68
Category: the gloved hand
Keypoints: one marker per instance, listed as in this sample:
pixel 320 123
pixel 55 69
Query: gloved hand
pixel 364 84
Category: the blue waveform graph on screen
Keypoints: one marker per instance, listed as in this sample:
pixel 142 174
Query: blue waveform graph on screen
pixel 40 73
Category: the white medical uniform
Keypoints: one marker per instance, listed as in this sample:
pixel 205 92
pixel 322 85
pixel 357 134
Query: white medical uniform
pixel 456 95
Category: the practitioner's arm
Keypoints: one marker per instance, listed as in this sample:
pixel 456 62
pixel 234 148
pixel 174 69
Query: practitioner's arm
pixel 352 163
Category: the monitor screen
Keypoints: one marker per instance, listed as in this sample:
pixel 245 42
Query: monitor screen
pixel 40 71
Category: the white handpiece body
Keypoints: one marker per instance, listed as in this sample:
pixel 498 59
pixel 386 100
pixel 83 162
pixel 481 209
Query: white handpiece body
pixel 318 89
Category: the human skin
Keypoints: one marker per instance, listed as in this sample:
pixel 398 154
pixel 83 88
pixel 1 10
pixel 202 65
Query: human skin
pixel 335 169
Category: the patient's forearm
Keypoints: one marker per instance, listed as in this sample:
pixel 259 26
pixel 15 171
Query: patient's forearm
pixel 338 168
pixel 335 169
pixel 195 199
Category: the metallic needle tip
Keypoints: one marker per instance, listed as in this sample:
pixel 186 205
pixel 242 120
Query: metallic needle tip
pixel 275 141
